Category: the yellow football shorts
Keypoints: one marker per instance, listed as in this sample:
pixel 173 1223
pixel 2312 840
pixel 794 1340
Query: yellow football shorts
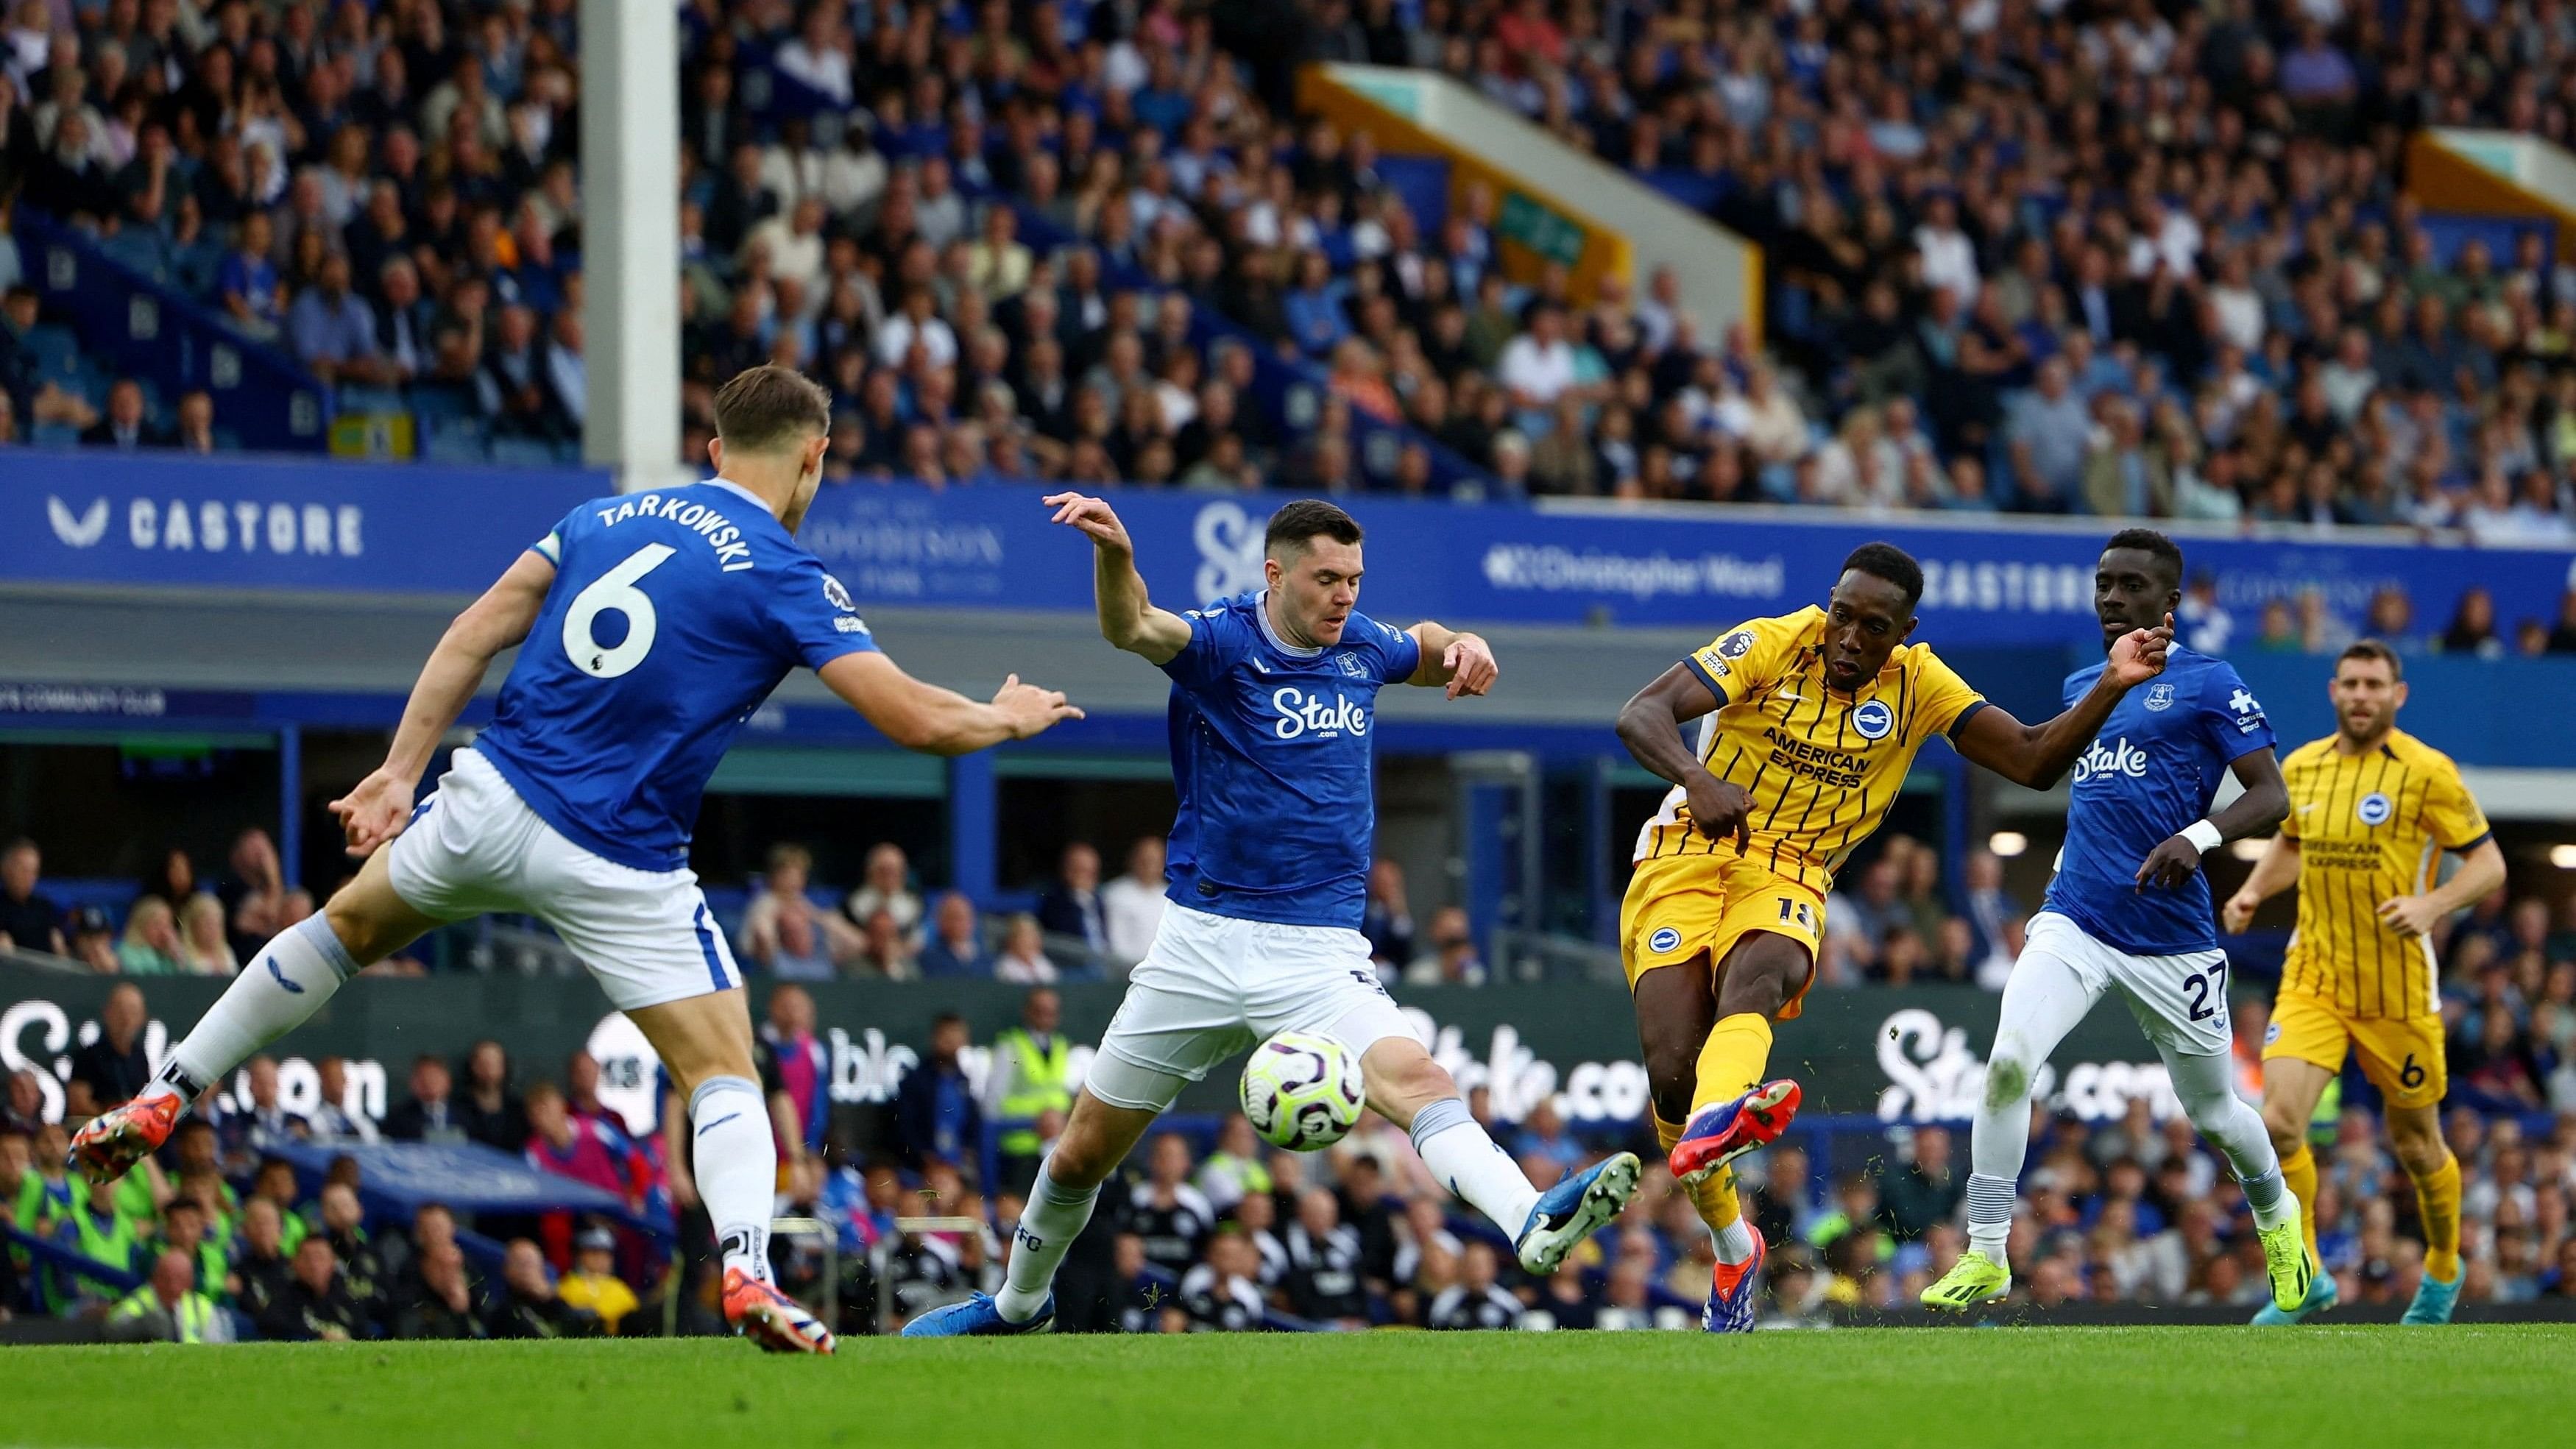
pixel 1681 905
pixel 2402 1055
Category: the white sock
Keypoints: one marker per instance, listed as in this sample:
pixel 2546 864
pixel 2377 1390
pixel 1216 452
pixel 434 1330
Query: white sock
pixel 1054 1217
pixel 1467 1162
pixel 1734 1242
pixel 288 981
pixel 736 1163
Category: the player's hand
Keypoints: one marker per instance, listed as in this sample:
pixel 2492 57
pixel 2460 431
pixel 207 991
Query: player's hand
pixel 2410 915
pixel 1718 809
pixel 1093 516
pixel 375 812
pixel 2169 864
pixel 1030 710
pixel 2140 654
pixel 2238 913
pixel 1471 666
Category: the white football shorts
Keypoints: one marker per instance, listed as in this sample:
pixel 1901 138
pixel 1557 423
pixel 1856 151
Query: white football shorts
pixel 2180 1002
pixel 474 847
pixel 1212 986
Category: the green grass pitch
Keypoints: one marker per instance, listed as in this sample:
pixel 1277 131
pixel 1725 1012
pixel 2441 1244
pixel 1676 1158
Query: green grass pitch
pixel 2341 1387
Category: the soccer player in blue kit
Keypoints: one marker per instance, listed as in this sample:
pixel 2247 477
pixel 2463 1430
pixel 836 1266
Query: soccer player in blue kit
pixel 576 804
pixel 1273 700
pixel 2129 910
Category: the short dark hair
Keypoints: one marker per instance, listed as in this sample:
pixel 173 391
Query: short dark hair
pixel 769 407
pixel 2372 649
pixel 1299 523
pixel 1887 561
pixel 2147 541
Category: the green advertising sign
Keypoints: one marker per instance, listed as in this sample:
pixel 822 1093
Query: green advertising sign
pixel 1539 227
pixel 1899 1055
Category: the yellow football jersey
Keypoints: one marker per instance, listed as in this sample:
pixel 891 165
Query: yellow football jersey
pixel 1820 767
pixel 2370 827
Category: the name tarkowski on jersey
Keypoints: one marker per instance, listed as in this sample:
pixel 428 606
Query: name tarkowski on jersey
pixel 1301 713
pixel 733 554
pixel 2122 758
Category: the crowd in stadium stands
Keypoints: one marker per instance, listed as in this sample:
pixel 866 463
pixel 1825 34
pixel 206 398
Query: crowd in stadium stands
pixel 1229 1237
pixel 2127 258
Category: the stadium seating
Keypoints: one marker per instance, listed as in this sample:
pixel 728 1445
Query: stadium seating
pixel 1923 247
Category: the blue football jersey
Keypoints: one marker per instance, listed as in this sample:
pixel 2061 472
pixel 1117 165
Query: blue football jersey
pixel 2153 769
pixel 1272 761
pixel 672 616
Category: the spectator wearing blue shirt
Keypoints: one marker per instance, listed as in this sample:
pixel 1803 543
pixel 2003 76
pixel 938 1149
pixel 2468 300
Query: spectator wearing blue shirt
pixel 1543 1135
pixel 253 297
pixel 333 330
pixel 955 948
pixel 2049 431
pixel 935 1116
pixel 1314 309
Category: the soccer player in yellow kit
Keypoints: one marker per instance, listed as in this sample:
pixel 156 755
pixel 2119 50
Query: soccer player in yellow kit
pixel 2372 808
pixel 1808 723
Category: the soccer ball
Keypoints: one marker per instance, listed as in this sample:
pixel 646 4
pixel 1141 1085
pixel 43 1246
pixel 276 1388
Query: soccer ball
pixel 1302 1091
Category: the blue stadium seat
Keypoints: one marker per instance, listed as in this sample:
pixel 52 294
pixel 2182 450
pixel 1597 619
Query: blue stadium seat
pixel 139 247
pixel 54 435
pixel 523 453
pixel 56 350
pixel 362 398
pixel 452 439
pixel 437 404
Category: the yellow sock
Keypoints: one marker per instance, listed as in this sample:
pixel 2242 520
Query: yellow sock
pixel 1739 1047
pixel 2437 1198
pixel 2299 1171
pixel 1715 1197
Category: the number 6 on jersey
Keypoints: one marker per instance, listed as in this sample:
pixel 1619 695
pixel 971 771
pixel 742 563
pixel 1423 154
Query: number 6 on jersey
pixel 615 590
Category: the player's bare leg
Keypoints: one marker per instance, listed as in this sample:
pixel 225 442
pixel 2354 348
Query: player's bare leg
pixel 2291 1088
pixel 1408 1088
pixel 277 991
pixel 1676 1010
pixel 1733 1111
pixel 704 1042
pixel 1098 1135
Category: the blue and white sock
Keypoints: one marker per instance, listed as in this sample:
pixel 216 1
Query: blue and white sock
pixel 288 981
pixel 736 1163
pixel 1054 1217
pixel 1990 1213
pixel 1466 1161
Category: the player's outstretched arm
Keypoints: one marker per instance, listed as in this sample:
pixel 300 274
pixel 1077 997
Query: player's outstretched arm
pixel 377 809
pixel 2265 799
pixel 938 721
pixel 2481 871
pixel 1462 661
pixel 2275 872
pixel 1650 725
pixel 1128 619
pixel 2038 755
